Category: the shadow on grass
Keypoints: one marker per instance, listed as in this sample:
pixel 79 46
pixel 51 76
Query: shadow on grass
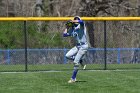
pixel 80 81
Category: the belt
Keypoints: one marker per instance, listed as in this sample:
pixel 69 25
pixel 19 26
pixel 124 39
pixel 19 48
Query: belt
pixel 81 43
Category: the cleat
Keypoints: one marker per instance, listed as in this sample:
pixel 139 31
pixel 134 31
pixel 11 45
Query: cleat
pixel 72 80
pixel 84 67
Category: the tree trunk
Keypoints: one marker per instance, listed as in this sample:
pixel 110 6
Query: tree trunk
pixel 39 13
pixel 90 31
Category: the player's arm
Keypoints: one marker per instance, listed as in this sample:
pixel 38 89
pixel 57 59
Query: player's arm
pixel 65 33
pixel 69 28
pixel 78 21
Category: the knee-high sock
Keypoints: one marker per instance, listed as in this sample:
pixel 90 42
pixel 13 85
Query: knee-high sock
pixel 75 71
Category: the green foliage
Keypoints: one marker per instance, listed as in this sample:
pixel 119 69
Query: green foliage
pixel 12 36
pixel 45 39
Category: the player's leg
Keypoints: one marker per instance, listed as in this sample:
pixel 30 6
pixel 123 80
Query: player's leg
pixel 82 62
pixel 78 56
pixel 75 71
pixel 81 52
pixel 70 54
pixel 83 48
pixel 76 68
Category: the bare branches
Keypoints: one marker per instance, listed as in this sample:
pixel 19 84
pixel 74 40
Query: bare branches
pixel 109 7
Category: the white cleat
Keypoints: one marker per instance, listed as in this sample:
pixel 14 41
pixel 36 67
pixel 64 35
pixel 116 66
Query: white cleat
pixel 84 67
pixel 72 80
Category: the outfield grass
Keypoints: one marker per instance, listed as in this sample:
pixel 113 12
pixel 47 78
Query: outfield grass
pixel 64 67
pixel 56 82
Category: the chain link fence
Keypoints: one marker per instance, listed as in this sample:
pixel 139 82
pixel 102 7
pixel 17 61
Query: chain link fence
pixel 39 45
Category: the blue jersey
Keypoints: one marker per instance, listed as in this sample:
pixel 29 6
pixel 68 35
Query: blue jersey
pixel 78 32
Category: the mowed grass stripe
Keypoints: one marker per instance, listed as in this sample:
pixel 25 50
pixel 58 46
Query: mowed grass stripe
pixel 62 67
pixel 56 82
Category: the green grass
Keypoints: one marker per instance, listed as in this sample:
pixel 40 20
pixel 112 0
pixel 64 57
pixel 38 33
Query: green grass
pixel 56 82
pixel 65 67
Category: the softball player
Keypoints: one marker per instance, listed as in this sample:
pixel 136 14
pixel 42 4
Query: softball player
pixel 76 28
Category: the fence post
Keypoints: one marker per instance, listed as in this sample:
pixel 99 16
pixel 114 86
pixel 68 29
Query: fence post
pixel 118 57
pixel 65 60
pixel 105 50
pixel 8 56
pixel 25 43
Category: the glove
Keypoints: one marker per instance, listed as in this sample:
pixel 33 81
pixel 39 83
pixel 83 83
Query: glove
pixel 69 24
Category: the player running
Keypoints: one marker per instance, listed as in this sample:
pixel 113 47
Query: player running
pixel 76 28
